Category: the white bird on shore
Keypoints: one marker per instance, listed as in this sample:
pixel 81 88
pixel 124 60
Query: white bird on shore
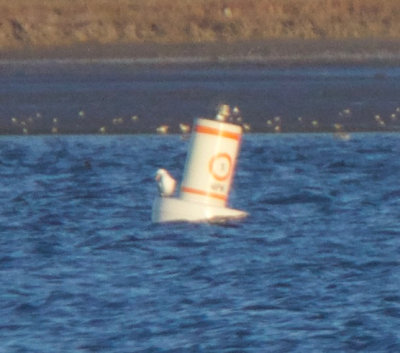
pixel 185 128
pixel 165 182
pixel 163 129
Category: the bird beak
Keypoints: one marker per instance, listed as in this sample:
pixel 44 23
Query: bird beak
pixel 158 177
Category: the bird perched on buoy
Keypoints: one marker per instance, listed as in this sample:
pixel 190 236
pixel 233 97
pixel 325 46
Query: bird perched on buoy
pixel 223 112
pixel 236 117
pixel 166 183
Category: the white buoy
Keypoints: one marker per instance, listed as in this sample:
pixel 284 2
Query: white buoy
pixel 211 162
pixel 207 178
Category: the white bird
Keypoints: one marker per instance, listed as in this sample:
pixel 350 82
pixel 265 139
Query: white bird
pixel 166 183
pixel 236 110
pixel 118 121
pixel 236 117
pixel 223 113
pixel 185 128
pixel 163 129
pixel 246 127
pixel 347 112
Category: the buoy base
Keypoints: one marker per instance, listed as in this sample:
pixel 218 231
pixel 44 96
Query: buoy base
pixel 168 209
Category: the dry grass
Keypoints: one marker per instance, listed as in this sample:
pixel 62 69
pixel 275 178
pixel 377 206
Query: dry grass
pixel 39 23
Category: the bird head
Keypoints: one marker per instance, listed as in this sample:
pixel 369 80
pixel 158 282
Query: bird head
pixel 165 182
pixel 160 173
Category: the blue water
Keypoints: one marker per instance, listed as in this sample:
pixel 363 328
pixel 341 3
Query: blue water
pixel 314 268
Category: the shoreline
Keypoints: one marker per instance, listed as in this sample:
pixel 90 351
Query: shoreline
pixel 285 52
pixel 97 61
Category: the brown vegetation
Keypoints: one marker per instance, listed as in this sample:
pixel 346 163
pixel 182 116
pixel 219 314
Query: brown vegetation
pixel 48 23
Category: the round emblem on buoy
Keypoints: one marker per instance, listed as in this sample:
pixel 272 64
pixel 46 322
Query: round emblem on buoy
pixel 220 166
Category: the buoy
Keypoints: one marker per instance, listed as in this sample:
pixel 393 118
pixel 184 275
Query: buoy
pixel 207 177
pixel 211 162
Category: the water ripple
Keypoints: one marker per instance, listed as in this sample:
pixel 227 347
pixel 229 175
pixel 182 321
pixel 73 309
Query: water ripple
pixel 314 268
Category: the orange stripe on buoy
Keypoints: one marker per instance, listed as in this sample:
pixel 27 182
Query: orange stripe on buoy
pixel 212 131
pixel 203 193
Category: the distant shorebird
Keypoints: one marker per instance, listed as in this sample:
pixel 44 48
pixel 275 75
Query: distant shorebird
pixel 236 116
pixel 163 129
pixel 338 127
pixel 246 127
pixel 379 120
pixel 118 121
pixel 185 128
pixel 223 113
pixel 346 112
pixel 165 182
pixel 340 133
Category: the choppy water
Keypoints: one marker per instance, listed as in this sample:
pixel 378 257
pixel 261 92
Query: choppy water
pixel 315 267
